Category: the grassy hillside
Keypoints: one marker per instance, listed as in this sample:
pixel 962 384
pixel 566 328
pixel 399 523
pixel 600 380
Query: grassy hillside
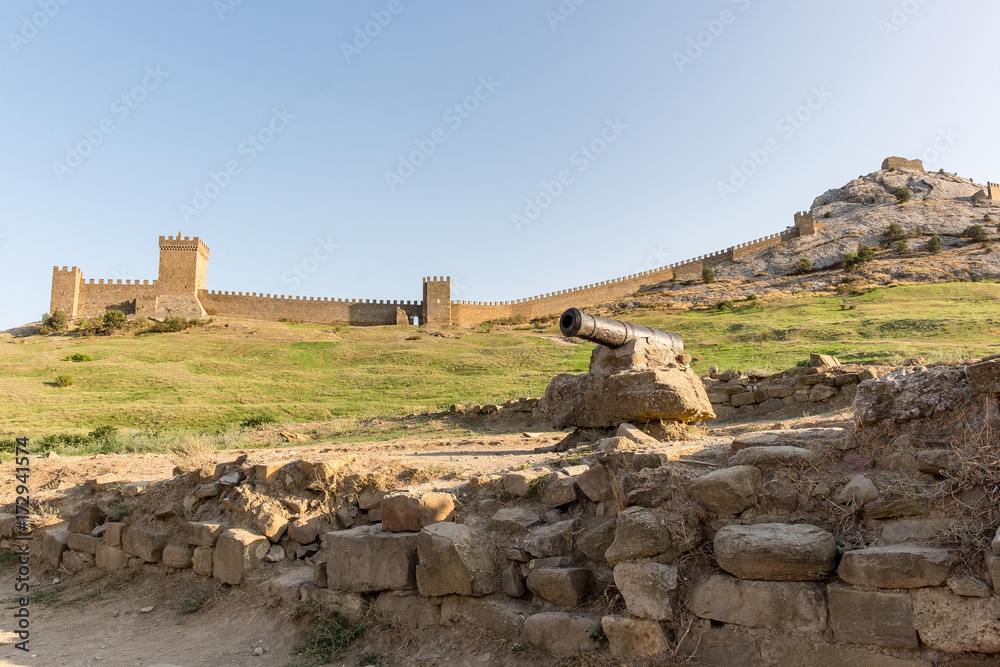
pixel 210 378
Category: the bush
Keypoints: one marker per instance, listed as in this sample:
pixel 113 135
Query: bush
pixel 113 320
pixel 258 419
pixel 987 248
pixel 56 322
pixel 933 245
pixel 865 253
pixel 330 636
pixel 171 325
pixel 79 357
pixel 901 193
pixel 987 218
pixel 88 327
pixel 919 231
pixel 850 260
pixel 976 233
pixel 893 233
pixel 708 275
pixel 64 380
pixel 728 304
pixel 902 246
pixel 804 265
pixel 828 214
pixel 753 298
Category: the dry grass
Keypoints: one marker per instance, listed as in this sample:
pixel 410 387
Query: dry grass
pixel 192 452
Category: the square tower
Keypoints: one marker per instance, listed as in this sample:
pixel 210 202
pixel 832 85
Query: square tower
pixel 437 301
pixel 806 224
pixel 183 265
pixel 994 190
pixel 65 290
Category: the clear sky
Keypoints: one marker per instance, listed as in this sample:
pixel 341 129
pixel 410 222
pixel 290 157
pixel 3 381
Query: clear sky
pixel 519 147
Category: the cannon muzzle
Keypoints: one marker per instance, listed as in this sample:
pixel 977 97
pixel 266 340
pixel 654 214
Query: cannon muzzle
pixel 613 333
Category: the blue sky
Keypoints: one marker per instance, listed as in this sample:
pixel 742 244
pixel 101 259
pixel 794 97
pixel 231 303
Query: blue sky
pixel 520 146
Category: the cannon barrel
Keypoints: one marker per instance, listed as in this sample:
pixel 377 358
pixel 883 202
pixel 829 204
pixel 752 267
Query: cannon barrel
pixel 613 333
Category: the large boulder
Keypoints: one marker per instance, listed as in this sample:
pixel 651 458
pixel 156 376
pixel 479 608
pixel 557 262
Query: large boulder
pixel 911 393
pixel 368 559
pixel 640 381
pixel 776 551
pixel 451 559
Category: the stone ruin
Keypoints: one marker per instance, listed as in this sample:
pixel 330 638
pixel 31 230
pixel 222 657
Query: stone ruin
pixel 863 545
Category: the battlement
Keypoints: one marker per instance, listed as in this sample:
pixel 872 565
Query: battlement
pixel 903 164
pixel 437 279
pixel 182 243
pixel 993 189
pixel 805 224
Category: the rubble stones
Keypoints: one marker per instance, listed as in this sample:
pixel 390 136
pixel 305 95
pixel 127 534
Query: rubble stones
pixel 88 517
pixel 520 483
pixel 565 587
pixel 552 540
pixel 596 484
pixel 807 438
pixel 908 394
pixel 143 543
pixel 306 531
pixel 948 622
pixel 860 491
pixel 561 634
pixel 203 533
pixel 776 551
pixel 409 511
pixel 514 521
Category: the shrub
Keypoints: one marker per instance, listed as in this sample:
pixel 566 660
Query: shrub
pixel 902 246
pixel 976 233
pixel 893 233
pixel 117 510
pixel 258 419
pixel 901 193
pixel 64 380
pixel 933 245
pixel 753 298
pixel 113 320
pixel 865 253
pixel 54 323
pixel 414 337
pixel 78 356
pixel 919 231
pixel 804 265
pixel 171 325
pixel 88 327
pixel 728 304
pixel 828 214
pixel 708 275
pixel 330 636
pixel 987 218
pixel 987 248
pixel 850 260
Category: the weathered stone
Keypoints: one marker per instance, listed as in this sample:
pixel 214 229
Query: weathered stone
pixel 821 392
pixel 110 557
pixel 451 560
pixel 728 491
pixel 914 530
pixel 807 652
pixel 551 561
pixel 276 553
pixel 135 489
pixel 307 531
pixel 897 566
pixel 86 519
pixel 561 634
pixel 631 432
pixel 201 560
pixel 209 490
pixel 773 457
pixel 954 624
pixel 633 637
pixel 178 556
pixel 779 605
pixel 553 540
pixel 350 605
pixel 84 543
pixel 821 360
pixel 719 647
pixel 596 484
pixel 522 483
pixel 888 509
pixel 743 398
pixel 514 521
pixel 168 510
pixel 638 534
pixel 53 545
pixel 565 587
pixel 8 522
pixel 105 482
pixel 637 382
pixel 76 561
pixel 490 483
pixel 594 541
pixel 368 559
pixel 285 584
pixel 307 550
pixel 409 512
pixel 503 618
pixel 267 473
pixel 414 610
pixel 370 497
pixel 910 393
pixel 937 461
pixel 559 491
pixel 871 617
pixel 860 491
pixel 984 377
pixel 898 461
pixel 203 533
pixel 780 493
pixel 969 586
pixel 649 589
pixel 776 551
pixel 512 581
pixel 237 553
pixel 271 522
pixel 144 543
pixel 807 438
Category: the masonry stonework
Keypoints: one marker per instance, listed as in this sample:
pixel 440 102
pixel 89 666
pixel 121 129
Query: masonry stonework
pixel 903 164
pixel 994 191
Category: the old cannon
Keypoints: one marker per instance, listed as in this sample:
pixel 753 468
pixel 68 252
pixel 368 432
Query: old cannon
pixel 613 333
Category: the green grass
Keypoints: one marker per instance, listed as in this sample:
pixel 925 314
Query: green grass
pixel 213 379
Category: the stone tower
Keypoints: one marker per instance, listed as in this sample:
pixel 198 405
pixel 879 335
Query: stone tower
pixel 183 265
pixel 66 290
pixel 994 189
pixel 805 223
pixel 437 301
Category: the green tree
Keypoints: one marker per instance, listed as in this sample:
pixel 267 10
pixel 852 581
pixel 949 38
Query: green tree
pixel 112 320
pixel 804 265
pixel 865 253
pixel 708 275
pixel 57 321
pixel 933 245
pixel 902 246
pixel 893 233
pixel 976 233
pixel 902 194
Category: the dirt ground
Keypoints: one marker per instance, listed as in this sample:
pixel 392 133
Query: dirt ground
pixel 90 619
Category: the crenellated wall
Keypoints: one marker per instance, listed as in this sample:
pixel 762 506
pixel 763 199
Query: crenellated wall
pixel 251 305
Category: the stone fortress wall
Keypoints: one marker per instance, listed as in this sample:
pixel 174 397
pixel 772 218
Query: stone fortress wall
pixel 181 290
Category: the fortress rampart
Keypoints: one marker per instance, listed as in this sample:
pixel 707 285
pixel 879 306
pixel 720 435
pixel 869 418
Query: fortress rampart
pixel 181 289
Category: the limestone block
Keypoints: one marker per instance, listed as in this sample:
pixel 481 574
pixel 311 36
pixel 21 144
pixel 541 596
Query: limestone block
pixel 307 531
pixel 83 543
pixel 351 605
pixel 633 433
pixel 952 623
pixel 512 581
pixel 879 618
pixel 561 634
pixel 778 605
pixel 596 484
pixel 773 457
pixel 638 534
pixel 113 534
pixel 728 491
pixel 896 566
pixel 88 517
pixel 595 540
pixel 633 637
pixel 286 583
pixel 719 647
pixel 565 587
pixel 370 498
pixel 237 553
pixel 743 398
pixel 503 618
pixel 451 560
pixel 984 378
pixel 271 521
pixel 76 561
pixel 411 608
pixel 937 461
pixel 860 491
pixel 178 556
pixel 889 509
pixel 969 586
pixel 368 559
pixel 776 551
pixel 552 540
pixel 514 521
pixel 521 483
pixel 409 512
pixel 201 561
pixel 266 473
pixel 821 392
pixel 649 589
pixel 914 530
pixel 110 557
pixel 144 543
pixel 203 533
pixel 559 491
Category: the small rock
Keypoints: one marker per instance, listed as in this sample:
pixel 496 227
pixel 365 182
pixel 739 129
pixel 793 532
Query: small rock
pixel 232 479
pixel 275 555
pixel 257 651
pixel 970 587
pixel 146 610
pixel 860 491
